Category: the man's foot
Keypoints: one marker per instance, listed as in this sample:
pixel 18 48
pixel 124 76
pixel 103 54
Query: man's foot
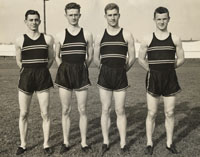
pixel 20 150
pixel 104 149
pixel 149 150
pixel 86 149
pixel 64 148
pixel 172 149
pixel 124 150
pixel 48 151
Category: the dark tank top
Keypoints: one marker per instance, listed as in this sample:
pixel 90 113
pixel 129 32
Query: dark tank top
pixel 34 52
pixel 73 49
pixel 113 49
pixel 161 53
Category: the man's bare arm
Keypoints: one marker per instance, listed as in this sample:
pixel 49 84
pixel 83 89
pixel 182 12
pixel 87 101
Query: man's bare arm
pixel 179 52
pixel 50 42
pixel 18 47
pixel 97 51
pixel 57 50
pixel 90 49
pixel 131 50
pixel 142 55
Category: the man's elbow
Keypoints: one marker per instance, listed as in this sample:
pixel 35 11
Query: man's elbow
pixel 182 60
pixel 96 61
pixel 140 60
pixel 90 58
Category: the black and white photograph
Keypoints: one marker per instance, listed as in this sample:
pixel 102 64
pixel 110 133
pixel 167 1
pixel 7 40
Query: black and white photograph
pixel 93 78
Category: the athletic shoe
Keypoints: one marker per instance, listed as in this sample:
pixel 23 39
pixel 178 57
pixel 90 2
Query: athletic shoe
pixel 149 150
pixel 86 149
pixel 124 150
pixel 172 149
pixel 20 150
pixel 48 151
pixel 104 149
pixel 64 148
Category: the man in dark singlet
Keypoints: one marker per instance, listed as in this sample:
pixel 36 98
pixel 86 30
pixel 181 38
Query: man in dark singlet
pixel 34 56
pixel 160 54
pixel 114 55
pixel 74 52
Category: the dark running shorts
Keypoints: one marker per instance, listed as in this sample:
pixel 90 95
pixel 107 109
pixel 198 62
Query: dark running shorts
pixel 163 83
pixel 72 76
pixel 34 79
pixel 112 79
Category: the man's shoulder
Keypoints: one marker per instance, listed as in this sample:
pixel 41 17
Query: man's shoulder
pixel 127 34
pixel 87 33
pixel 99 35
pixel 60 36
pixel 20 37
pixel 147 39
pixel 61 33
pixel 176 39
pixel 19 40
pixel 48 38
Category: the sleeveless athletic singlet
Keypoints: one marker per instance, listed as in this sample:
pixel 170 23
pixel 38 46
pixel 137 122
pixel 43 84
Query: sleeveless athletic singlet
pixel 34 52
pixel 113 49
pixel 161 53
pixel 73 49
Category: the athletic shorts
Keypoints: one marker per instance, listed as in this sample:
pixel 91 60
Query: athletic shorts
pixel 34 79
pixel 163 83
pixel 112 79
pixel 72 76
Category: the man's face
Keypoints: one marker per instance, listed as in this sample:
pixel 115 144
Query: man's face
pixel 161 21
pixel 112 17
pixel 33 22
pixel 73 16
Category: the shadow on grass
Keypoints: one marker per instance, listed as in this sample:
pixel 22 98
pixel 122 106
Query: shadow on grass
pixel 136 116
pixel 135 125
pixel 188 123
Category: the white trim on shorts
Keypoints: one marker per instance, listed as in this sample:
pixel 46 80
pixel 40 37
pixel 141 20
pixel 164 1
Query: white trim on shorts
pixel 156 95
pixel 29 93
pixel 148 78
pixel 173 94
pixel 118 90
pixel 77 89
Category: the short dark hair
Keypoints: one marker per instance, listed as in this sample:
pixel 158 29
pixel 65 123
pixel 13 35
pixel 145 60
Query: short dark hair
pixel 111 6
pixel 72 6
pixel 31 12
pixel 161 10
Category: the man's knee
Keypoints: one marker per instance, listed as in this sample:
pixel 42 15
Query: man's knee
pixel 120 111
pixel 45 116
pixel 66 111
pixel 169 114
pixel 82 110
pixel 151 114
pixel 24 115
pixel 106 111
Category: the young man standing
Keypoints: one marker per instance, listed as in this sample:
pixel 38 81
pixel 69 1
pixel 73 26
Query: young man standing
pixel 164 54
pixel 74 54
pixel 114 55
pixel 34 56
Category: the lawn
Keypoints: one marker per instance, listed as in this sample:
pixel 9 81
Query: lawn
pixel 187 123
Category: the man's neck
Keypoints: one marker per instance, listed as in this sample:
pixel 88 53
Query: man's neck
pixel 162 34
pixel 33 34
pixel 73 29
pixel 113 30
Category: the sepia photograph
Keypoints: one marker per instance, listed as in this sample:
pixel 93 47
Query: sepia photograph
pixel 93 78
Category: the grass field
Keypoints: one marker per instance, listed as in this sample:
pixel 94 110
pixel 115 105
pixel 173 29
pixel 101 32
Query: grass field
pixel 187 123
